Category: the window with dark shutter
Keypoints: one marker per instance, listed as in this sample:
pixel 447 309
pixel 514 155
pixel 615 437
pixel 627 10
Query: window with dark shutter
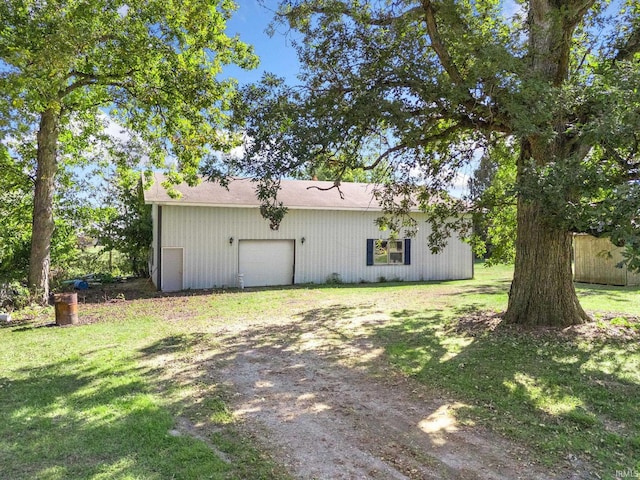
pixel 407 251
pixel 388 252
pixel 370 251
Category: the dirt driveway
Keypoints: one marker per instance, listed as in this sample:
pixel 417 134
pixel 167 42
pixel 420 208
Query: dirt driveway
pixel 327 406
pixel 316 391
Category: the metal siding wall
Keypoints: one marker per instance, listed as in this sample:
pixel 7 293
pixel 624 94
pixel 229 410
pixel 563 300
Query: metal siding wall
pixel 335 242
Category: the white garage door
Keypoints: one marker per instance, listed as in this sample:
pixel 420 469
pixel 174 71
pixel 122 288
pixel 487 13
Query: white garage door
pixel 266 262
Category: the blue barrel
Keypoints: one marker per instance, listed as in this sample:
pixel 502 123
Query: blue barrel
pixel 80 285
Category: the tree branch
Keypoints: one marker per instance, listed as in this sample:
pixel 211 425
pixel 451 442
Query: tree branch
pixel 91 79
pixel 336 184
pixel 631 46
pixel 342 9
pixel 478 115
pixel 386 154
pixel 438 45
pixel 452 70
pixel 580 8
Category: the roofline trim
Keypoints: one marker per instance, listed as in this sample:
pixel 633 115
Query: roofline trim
pixel 234 205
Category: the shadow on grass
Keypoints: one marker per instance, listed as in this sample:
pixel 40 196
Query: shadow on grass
pixel 83 417
pixel 272 370
pixel 559 392
pixel 608 292
pixel 494 365
pixel 173 343
pixel 138 289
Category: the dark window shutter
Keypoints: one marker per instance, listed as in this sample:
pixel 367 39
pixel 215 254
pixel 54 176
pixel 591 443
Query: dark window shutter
pixel 369 251
pixel 407 251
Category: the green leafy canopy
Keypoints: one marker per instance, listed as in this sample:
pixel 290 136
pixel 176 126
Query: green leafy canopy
pixel 72 69
pixel 151 66
pixel 421 87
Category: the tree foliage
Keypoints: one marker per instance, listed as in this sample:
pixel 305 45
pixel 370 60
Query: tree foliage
pixel 423 86
pixel 67 67
pixel 15 210
pixel 493 199
pixel 125 225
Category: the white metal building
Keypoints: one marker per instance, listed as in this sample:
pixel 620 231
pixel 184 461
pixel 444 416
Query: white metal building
pixel 211 237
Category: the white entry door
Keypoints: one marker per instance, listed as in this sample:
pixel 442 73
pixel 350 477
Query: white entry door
pixel 172 268
pixel 266 262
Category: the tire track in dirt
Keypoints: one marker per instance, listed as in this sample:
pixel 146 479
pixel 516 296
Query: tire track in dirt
pixel 326 420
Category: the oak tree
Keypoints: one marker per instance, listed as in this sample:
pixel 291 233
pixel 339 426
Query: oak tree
pixel 71 68
pixel 426 85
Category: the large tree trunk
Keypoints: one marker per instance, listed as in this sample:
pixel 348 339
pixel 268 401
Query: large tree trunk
pixel 43 224
pixel 542 291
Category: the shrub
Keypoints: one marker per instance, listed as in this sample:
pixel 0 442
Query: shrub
pixel 14 296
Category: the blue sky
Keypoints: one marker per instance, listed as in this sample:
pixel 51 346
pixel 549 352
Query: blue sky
pixel 276 53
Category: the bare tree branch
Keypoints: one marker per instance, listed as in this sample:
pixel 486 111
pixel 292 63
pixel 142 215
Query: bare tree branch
pixel 385 155
pixel 336 185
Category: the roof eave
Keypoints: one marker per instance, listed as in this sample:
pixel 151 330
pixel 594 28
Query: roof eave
pixel 165 203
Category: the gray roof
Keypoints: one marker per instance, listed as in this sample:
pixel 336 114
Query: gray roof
pixel 295 194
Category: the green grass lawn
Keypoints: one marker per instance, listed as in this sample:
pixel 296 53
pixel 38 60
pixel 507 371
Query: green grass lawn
pixel 91 402
pixel 121 397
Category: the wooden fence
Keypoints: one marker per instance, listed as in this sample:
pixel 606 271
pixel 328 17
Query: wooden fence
pixel 596 260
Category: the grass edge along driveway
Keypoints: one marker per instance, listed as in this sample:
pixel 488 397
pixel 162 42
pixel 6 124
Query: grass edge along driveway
pixel 122 397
